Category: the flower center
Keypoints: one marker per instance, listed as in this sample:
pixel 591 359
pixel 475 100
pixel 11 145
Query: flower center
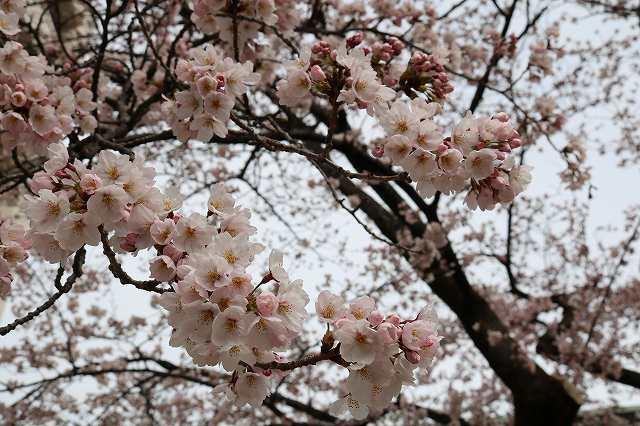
pixel 328 311
pixel 230 257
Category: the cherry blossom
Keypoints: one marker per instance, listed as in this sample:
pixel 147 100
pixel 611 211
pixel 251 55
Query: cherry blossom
pixel 399 117
pixel 203 111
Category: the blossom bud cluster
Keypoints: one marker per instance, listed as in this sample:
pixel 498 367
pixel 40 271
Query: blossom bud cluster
pixel 382 350
pixel 38 109
pixel 385 51
pixel 347 74
pixel 13 250
pixel 426 74
pixel 214 83
pixel 360 76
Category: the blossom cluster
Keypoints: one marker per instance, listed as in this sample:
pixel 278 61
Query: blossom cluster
pixel 38 109
pixel 220 317
pixel 218 313
pixel 10 13
pixel 215 17
pixel 544 54
pixel 382 350
pixel 475 156
pixel 74 204
pixel 13 250
pixel 397 11
pixel 214 83
pixel 360 76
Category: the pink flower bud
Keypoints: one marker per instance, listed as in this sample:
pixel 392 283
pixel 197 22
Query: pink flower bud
pixel 389 81
pixel 502 116
pixel 267 303
pixel 418 58
pixel 503 132
pixel 320 48
pixel 412 357
pixel 397 45
pixel 316 74
pixel 355 40
pixel 388 332
pixel 378 151
pixel 394 319
pixel 376 318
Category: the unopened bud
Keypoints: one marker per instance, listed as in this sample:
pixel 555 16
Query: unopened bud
pixel 412 357
pixel 502 116
pixel 394 319
pixel 355 40
pixel 376 318
pixel 378 151
pixel 316 74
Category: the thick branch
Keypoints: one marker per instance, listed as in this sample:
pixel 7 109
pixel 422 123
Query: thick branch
pixel 118 272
